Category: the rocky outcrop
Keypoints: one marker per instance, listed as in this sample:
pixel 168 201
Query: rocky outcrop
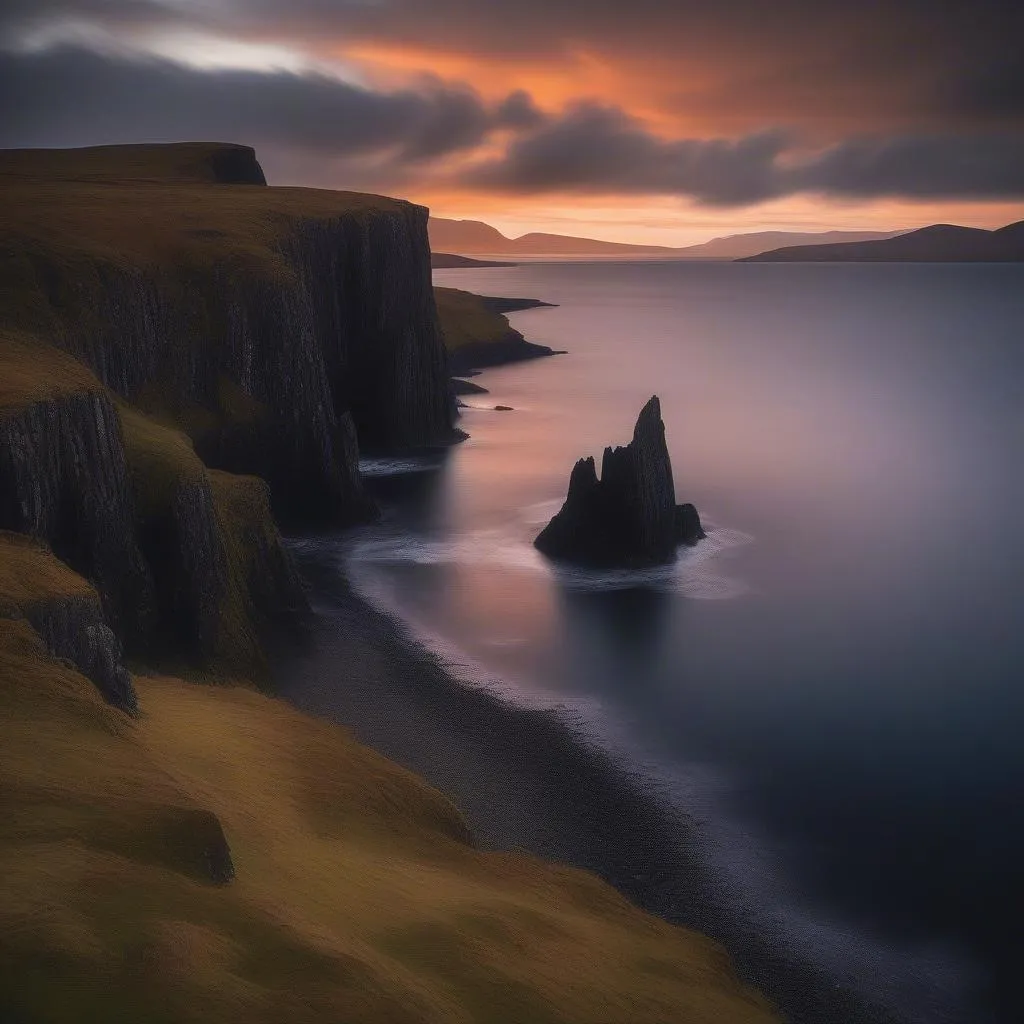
pixel 477 334
pixel 467 387
pixel 479 355
pixel 64 480
pixel 264 572
pixel 317 337
pixel 629 516
pixel 374 318
pixel 74 629
pixel 186 568
pixel 184 546
pixel 66 613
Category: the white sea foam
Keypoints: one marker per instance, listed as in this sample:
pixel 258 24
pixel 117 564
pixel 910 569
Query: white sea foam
pixel 541 513
pixel 694 574
pixel 397 467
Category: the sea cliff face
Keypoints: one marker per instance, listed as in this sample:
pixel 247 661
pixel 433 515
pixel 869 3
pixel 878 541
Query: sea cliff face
pixel 150 334
pixel 280 329
pixel 182 562
pixel 64 479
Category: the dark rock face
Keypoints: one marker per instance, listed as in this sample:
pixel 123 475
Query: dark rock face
pixel 287 372
pixel 74 629
pixel 369 285
pixel 629 517
pixel 482 354
pixel 185 550
pixel 64 480
pixel 162 573
pixel 236 165
pixel 467 387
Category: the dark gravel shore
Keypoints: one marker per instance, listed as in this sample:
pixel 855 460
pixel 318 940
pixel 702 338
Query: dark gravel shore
pixel 526 780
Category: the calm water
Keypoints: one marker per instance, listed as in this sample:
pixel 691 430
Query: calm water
pixel 833 683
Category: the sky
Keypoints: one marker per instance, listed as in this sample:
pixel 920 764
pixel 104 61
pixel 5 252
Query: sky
pixel 654 121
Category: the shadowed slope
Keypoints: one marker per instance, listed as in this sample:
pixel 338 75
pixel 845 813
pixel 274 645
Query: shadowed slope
pixel 353 894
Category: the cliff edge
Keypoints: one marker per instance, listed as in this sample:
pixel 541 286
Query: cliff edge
pixel 180 353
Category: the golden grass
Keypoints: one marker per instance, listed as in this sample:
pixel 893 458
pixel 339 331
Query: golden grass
pixel 30 574
pixel 161 460
pixel 465 318
pixel 355 898
pixel 181 162
pixel 248 532
pixel 32 371
pixel 145 225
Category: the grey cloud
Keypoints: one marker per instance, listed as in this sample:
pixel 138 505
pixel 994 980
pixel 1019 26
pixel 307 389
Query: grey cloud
pixel 989 166
pixel 599 150
pixel 73 97
pixel 869 59
pixel 326 131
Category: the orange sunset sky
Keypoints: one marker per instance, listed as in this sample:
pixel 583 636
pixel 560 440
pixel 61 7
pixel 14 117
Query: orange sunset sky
pixel 646 121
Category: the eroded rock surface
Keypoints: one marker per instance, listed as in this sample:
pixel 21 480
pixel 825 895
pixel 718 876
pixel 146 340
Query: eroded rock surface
pixel 629 516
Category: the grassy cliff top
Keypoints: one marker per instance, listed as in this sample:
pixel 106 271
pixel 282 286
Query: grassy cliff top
pixel 355 895
pixel 139 224
pixel 178 163
pixel 64 214
pixel 30 574
pixel 32 371
pixel 465 318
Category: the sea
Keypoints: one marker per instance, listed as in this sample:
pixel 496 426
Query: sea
pixel 831 685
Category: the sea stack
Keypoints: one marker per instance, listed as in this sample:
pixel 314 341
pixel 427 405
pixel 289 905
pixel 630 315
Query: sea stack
pixel 628 518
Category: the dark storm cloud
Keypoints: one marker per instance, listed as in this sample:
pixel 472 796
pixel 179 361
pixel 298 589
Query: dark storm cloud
pixel 74 97
pixel 871 59
pixel 875 58
pixel 600 150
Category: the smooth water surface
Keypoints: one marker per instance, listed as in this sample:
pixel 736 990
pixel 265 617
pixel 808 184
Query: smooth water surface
pixel 832 683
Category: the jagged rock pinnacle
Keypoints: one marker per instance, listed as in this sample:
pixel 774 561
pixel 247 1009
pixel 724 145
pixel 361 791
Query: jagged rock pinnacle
pixel 629 517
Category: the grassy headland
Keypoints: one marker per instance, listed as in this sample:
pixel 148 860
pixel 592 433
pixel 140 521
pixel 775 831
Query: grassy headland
pixel 223 858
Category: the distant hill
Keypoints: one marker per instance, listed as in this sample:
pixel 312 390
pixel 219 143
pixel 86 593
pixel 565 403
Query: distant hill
pixel 940 243
pixel 731 247
pixel 475 237
pixel 465 237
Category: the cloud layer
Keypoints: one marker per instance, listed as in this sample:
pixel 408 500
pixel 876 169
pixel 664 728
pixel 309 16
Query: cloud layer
pixel 918 100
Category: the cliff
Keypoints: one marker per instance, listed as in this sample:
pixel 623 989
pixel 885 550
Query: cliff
pixel 477 334
pixel 66 613
pixel 196 163
pixel 277 327
pixel 183 566
pixel 629 517
pixel 179 853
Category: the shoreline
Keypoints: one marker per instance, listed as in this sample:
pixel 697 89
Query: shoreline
pixel 526 781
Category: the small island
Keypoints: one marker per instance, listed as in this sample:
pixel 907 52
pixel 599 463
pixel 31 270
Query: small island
pixel 629 518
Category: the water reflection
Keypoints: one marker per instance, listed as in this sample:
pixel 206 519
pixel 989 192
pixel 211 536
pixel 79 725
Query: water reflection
pixel 614 639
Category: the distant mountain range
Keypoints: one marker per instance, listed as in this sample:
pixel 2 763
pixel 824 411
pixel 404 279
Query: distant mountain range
pixel 940 243
pixel 732 247
pixel 473 237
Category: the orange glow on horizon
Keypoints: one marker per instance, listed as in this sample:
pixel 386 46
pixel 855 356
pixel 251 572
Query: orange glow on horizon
pixel 686 96
pixel 647 89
